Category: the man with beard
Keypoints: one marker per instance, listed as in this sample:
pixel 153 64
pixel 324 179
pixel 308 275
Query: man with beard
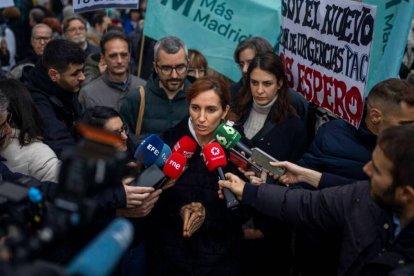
pixel 165 103
pixel 54 83
pixel 116 81
pixel 74 29
pixel 375 217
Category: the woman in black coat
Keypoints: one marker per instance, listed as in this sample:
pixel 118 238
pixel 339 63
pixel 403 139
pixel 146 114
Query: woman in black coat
pixel 211 245
pixel 270 123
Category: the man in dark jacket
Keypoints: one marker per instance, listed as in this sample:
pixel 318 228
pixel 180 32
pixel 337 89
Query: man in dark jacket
pixel 375 218
pixel 341 149
pixel 165 103
pixel 54 83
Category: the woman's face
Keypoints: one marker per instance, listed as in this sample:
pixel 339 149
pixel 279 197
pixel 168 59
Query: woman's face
pixel 264 86
pixel 116 126
pixel 245 58
pixel 206 114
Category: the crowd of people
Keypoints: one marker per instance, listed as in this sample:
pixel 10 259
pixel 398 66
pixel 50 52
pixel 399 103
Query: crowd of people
pixel 345 205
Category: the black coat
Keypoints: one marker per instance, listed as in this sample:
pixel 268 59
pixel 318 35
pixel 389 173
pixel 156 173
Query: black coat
pixel 367 231
pixel 214 248
pixel 58 109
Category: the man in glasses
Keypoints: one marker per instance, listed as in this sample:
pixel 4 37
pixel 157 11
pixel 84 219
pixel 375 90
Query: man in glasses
pixel 165 103
pixel 74 29
pixel 116 81
pixel 41 35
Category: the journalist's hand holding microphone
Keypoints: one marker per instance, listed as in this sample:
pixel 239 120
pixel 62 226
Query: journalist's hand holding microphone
pixel 234 183
pixel 294 174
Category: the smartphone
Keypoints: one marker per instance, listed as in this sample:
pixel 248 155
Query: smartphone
pixel 262 159
pixel 241 161
pixel 150 177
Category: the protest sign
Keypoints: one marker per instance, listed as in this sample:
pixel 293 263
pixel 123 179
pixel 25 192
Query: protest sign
pixel 90 5
pixel 326 49
pixel 6 3
pixel 392 24
pixel 214 27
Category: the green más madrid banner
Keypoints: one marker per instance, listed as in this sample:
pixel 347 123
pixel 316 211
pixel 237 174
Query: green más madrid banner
pixel 214 27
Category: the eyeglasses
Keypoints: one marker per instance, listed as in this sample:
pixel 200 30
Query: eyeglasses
pixel 74 29
pixel 167 70
pixel 44 38
pixel 124 129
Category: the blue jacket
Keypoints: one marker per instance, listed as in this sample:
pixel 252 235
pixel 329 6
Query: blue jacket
pixel 368 245
pixel 339 148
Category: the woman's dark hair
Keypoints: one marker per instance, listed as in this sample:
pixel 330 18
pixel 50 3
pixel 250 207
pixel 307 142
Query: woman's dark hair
pixel 196 59
pixel 210 83
pixel 98 116
pixel 272 64
pixel 25 115
pixel 256 43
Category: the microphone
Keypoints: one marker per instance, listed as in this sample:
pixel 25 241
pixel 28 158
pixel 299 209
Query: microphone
pixel 186 146
pixel 215 159
pixel 164 155
pixel 102 254
pixel 229 137
pixel 154 177
pixel 175 165
pixel 149 150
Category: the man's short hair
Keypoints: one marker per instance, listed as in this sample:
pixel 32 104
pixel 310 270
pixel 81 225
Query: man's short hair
pixel 170 45
pixel 98 18
pixel 67 20
pixel 110 36
pixel 4 102
pixel 60 53
pixel 40 26
pixel 389 94
pixel 397 143
pixel 37 15
pixel 258 44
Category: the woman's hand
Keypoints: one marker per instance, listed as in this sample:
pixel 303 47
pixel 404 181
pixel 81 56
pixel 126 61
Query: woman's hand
pixel 193 216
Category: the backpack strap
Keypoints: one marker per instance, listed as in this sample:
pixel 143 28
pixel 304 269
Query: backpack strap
pixel 141 111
